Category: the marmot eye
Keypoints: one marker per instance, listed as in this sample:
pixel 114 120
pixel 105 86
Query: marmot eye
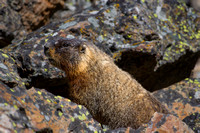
pixel 66 44
pixel 82 48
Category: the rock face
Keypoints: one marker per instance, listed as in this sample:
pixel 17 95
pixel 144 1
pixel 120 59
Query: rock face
pixel 157 41
pixel 37 110
pixel 20 17
pixel 167 123
pixel 183 100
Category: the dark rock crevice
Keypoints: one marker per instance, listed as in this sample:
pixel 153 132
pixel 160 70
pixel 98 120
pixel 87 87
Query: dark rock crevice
pixel 9 84
pixel 141 66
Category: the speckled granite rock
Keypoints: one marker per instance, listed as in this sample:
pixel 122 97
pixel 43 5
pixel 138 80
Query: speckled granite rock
pixel 183 101
pixel 9 71
pixel 161 123
pixel 37 110
pixel 10 25
pixel 144 31
pixel 19 17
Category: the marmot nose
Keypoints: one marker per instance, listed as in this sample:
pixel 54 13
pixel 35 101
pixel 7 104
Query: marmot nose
pixel 46 49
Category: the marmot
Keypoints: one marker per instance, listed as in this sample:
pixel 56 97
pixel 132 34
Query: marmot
pixel 110 94
pixel 195 4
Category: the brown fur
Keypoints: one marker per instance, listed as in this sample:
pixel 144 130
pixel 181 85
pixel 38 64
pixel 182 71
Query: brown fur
pixel 195 4
pixel 111 95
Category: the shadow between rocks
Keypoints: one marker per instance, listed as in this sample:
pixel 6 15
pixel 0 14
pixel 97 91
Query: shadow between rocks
pixel 141 66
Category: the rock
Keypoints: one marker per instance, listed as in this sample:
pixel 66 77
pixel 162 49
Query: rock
pixel 20 17
pixel 35 14
pixel 167 123
pixel 38 110
pixel 183 100
pixel 142 66
pixel 130 33
pixel 72 7
pixel 10 25
pixel 9 71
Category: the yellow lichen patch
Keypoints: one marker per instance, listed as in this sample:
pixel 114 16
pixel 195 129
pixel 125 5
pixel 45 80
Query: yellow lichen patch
pixel 48 101
pixel 23 101
pixel 15 106
pixel 196 81
pixel 5 55
pixel 87 113
pixel 69 20
pixel 14 124
pixel 108 11
pixel 39 92
pixel 13 59
pixel 135 17
pixel 117 55
pixel 138 43
pixel 80 107
pixel 60 113
pixel 72 118
pixel 82 117
pixel 59 97
pixel 116 5
pixel 12 90
pixel 105 129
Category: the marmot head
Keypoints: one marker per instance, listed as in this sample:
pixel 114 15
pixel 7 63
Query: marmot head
pixel 70 55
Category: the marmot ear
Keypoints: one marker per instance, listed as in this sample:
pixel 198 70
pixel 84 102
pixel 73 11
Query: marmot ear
pixel 82 48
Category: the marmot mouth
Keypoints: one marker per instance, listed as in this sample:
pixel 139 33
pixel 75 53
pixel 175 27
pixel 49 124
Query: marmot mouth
pixel 52 61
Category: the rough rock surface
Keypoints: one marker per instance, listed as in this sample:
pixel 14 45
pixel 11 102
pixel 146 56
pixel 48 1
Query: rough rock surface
pixel 156 41
pixel 167 123
pixel 134 31
pixel 10 24
pixel 19 17
pixel 183 101
pixel 37 110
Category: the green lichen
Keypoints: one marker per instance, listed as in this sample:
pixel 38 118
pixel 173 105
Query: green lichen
pixel 82 117
pixel 48 101
pixel 12 90
pixel 39 92
pixel 15 106
pixel 72 119
pixel 5 55
pixel 79 106
pixel 60 113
